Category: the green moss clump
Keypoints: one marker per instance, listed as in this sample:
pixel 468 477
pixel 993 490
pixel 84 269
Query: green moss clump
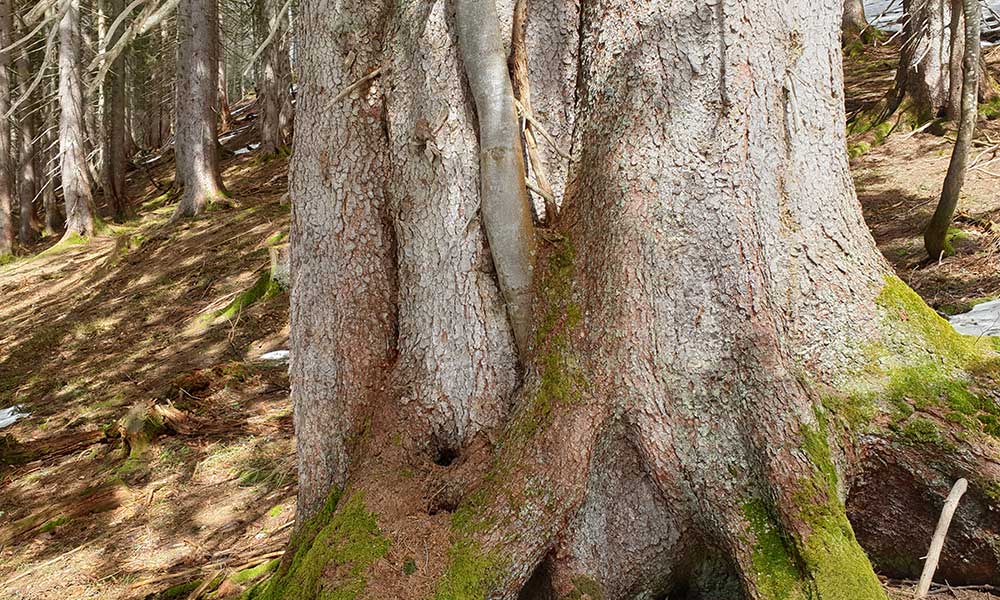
pixel 254 573
pixel 990 110
pixel 51 525
pixel 859 149
pixel 181 590
pixel 409 566
pixel 777 575
pixel 263 289
pixel 470 574
pixel 342 541
pixel 560 379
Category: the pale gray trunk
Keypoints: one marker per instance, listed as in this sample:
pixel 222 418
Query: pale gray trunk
pixel 76 178
pixel 343 284
pixel 274 100
pixel 197 105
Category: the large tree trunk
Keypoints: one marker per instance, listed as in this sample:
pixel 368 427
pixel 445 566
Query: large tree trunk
pixel 667 429
pixel 116 139
pixel 77 182
pixel 6 169
pixel 274 100
pixel 197 103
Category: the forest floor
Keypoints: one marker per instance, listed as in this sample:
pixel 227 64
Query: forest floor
pixel 898 176
pixel 137 318
pixel 91 331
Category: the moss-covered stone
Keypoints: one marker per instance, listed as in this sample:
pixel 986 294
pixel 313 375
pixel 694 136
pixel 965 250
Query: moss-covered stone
pixel 332 555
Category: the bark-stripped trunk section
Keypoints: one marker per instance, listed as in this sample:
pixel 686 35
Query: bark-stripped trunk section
pixel 505 208
pixel 77 182
pixel 343 316
pixel 197 103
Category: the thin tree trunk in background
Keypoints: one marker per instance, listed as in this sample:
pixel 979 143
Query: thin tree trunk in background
pixel 225 116
pixel 197 103
pixel 936 235
pixel 854 21
pixel 956 55
pixel 6 170
pixel 274 100
pixel 81 214
pixel 116 139
pixel 50 169
pixel 28 187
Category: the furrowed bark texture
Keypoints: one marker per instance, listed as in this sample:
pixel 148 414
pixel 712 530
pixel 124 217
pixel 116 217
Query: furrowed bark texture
pixel 457 357
pixel 665 435
pixel 6 169
pixel 936 234
pixel 342 295
pixel 76 178
pixel 197 103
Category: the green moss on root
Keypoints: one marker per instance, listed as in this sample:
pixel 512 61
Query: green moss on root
pixel 470 574
pixel 920 363
pixel 264 288
pixel 332 555
pixel 776 572
pixel 559 374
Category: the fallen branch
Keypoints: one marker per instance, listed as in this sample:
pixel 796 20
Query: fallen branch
pixel 937 541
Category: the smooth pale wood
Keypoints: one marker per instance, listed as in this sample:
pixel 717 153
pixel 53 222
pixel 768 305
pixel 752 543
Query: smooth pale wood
pixel 937 542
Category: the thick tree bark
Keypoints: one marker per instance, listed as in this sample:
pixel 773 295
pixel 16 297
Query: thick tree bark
pixel 6 169
pixel 710 265
pixel 936 233
pixel 274 100
pixel 115 142
pixel 197 103
pixel 81 214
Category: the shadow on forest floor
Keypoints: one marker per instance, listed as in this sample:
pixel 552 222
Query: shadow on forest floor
pixel 899 181
pixel 91 330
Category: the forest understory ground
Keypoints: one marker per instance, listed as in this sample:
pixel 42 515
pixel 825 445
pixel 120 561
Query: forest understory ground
pixel 137 317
